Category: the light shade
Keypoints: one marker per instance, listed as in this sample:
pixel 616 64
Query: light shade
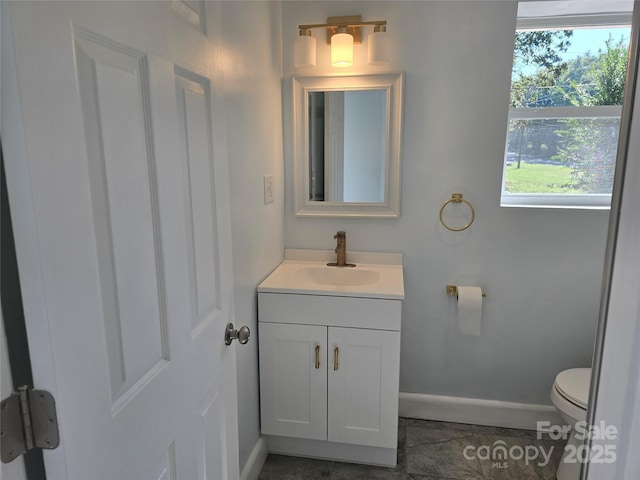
pixel 379 48
pixel 341 50
pixel 304 51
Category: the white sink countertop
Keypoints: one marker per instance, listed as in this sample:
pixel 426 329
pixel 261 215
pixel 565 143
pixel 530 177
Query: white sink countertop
pixel 376 275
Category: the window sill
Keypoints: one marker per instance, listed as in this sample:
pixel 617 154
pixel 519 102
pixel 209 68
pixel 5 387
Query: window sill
pixel 551 200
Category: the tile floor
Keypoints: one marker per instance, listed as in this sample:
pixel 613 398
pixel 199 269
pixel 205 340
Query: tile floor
pixel 430 450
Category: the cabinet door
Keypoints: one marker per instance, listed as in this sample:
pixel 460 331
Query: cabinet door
pixel 293 380
pixel 363 386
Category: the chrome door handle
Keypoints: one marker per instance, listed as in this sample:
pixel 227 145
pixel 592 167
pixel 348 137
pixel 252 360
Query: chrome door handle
pixel 231 334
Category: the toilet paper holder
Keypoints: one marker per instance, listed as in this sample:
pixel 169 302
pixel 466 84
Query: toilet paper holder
pixel 452 291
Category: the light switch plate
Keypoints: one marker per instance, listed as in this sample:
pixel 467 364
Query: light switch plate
pixel 268 189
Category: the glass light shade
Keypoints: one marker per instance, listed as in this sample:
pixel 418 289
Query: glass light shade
pixel 342 50
pixel 304 51
pixel 379 48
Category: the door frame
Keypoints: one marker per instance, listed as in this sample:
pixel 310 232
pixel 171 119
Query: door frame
pixel 13 323
pixel 627 349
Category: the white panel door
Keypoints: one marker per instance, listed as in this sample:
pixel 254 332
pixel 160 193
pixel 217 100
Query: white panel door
pixel 363 386
pixel 293 380
pixel 118 184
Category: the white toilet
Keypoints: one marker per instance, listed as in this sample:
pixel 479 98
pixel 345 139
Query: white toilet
pixel 570 394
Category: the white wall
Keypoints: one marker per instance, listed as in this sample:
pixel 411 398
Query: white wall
pixel 252 76
pixel 541 268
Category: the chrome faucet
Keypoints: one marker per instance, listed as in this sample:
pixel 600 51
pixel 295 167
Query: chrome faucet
pixel 341 251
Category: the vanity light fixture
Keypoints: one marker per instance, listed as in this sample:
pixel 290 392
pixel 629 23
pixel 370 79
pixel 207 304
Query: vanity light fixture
pixel 379 48
pixel 304 50
pixel 342 48
pixel 342 33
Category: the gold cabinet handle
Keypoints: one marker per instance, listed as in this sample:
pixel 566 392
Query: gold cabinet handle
pixel 317 356
pixel 336 353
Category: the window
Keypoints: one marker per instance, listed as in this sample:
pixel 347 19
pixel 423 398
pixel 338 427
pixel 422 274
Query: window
pixel 566 99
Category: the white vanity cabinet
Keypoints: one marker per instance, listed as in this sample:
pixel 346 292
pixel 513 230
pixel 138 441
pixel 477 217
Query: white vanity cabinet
pixel 293 380
pixel 329 375
pixel 363 386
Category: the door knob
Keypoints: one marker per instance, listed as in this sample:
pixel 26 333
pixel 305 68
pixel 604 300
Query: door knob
pixel 231 334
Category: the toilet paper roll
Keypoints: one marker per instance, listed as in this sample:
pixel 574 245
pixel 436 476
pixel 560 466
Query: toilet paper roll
pixel 469 309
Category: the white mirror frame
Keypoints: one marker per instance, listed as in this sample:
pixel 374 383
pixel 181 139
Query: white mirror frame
pixel 390 207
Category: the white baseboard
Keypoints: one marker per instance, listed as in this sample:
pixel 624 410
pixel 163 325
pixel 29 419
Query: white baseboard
pixel 476 411
pixel 256 460
pixel 322 449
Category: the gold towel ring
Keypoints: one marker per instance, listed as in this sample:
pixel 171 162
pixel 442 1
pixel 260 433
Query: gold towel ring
pixel 457 198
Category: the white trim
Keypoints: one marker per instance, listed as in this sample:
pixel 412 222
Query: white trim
pixel 556 200
pixel 301 86
pixel 477 411
pixel 258 456
pixel 302 447
pixel 560 22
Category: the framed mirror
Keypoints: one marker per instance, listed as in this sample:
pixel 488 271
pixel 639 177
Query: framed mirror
pixel 347 138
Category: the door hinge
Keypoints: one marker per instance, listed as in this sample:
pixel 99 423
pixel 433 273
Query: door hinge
pixel 28 420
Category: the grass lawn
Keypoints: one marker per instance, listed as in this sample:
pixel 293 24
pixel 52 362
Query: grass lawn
pixel 538 178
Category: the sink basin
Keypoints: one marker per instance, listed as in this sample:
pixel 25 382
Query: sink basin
pixel 339 276
pixel 305 272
